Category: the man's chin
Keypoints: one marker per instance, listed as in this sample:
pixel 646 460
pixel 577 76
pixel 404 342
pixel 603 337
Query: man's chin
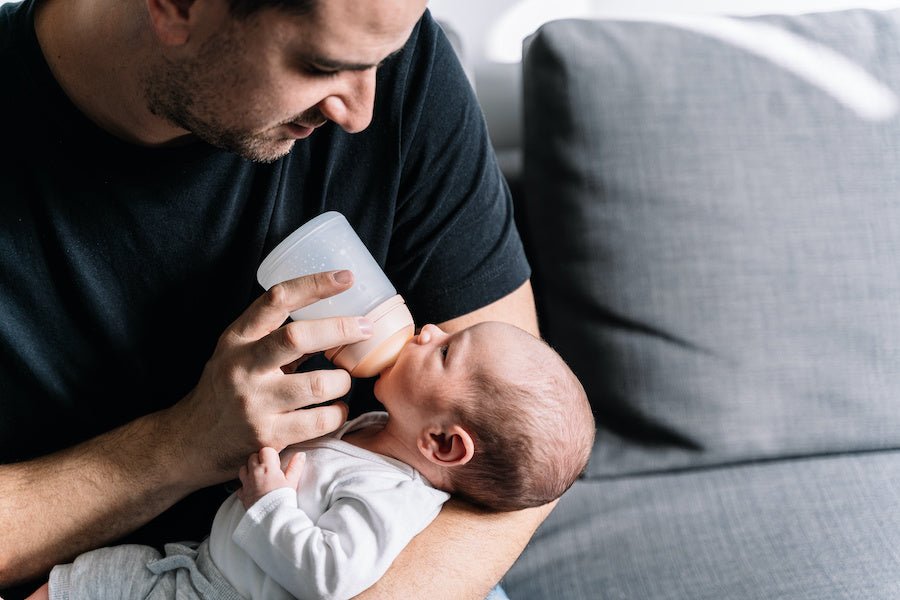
pixel 268 153
pixel 255 149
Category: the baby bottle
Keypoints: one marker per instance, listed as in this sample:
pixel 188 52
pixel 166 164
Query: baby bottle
pixel 328 243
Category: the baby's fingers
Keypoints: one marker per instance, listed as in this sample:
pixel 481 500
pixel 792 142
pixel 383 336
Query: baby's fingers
pixel 268 459
pixel 294 469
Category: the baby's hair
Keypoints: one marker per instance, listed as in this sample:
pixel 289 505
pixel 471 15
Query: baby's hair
pixel 533 436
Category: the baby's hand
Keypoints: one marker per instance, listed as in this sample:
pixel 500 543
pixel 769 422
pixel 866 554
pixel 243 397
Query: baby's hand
pixel 263 473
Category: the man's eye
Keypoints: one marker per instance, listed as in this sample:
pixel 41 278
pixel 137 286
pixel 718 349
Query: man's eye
pixel 317 72
pixel 444 350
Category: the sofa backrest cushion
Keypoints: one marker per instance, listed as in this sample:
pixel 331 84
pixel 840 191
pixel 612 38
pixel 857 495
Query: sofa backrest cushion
pixel 712 209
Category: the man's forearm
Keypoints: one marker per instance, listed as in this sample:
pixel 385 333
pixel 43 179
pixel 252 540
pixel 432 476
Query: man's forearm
pixel 57 506
pixel 460 556
pixel 54 507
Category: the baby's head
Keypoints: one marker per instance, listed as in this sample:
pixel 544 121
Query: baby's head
pixel 496 409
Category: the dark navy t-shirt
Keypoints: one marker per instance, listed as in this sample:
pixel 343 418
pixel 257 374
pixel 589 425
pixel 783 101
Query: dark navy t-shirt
pixel 121 265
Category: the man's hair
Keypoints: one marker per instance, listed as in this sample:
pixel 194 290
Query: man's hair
pixel 244 8
pixel 533 437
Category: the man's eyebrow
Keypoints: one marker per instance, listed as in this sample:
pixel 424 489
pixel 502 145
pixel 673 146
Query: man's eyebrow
pixel 330 64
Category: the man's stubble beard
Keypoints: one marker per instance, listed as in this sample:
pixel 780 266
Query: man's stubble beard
pixel 180 93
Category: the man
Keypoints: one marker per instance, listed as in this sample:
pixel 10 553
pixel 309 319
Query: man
pixel 163 147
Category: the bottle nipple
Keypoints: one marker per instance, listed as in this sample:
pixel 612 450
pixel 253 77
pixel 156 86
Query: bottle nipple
pixel 393 327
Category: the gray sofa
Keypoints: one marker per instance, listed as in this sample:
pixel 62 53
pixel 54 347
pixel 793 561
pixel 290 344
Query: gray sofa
pixel 714 227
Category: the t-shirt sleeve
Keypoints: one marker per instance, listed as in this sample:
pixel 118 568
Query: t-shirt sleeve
pixel 455 247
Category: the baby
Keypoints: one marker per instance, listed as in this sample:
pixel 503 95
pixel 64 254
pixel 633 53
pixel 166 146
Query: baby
pixel 490 414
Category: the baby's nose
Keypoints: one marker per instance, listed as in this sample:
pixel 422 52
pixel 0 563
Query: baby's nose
pixel 427 332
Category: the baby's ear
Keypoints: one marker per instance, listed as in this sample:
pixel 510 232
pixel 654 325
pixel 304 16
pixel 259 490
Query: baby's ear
pixel 449 446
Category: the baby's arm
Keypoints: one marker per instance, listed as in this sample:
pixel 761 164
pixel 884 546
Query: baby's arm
pixel 371 519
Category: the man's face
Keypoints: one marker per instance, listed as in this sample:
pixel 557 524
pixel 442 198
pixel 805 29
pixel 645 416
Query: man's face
pixel 257 85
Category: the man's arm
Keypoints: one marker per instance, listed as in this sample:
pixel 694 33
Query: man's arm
pixel 516 308
pixel 460 556
pixel 465 551
pixel 55 507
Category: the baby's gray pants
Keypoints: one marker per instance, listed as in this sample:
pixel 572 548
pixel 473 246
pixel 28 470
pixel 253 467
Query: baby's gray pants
pixel 128 572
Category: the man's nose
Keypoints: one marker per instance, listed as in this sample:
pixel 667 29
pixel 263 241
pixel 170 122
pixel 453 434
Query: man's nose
pixel 351 106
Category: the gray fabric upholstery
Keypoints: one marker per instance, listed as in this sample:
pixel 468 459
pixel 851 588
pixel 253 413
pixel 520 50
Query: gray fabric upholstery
pixel 816 529
pixel 716 241
pixel 716 252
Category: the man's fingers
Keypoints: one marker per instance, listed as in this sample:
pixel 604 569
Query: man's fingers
pixel 271 309
pixel 292 366
pixel 311 423
pixel 298 338
pixel 306 389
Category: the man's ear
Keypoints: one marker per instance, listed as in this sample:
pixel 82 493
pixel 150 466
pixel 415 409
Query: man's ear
pixel 171 20
pixel 446 446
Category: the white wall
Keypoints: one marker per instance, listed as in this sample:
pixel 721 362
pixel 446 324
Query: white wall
pixel 486 25
pixel 492 32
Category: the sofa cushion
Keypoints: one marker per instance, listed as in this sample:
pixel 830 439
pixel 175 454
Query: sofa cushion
pixel 806 529
pixel 713 219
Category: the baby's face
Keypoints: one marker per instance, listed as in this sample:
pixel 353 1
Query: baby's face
pixel 426 366
pixel 433 369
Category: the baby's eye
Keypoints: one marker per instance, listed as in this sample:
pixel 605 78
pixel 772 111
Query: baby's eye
pixel 444 350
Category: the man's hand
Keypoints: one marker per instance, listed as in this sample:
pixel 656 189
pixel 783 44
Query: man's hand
pixel 95 492
pixel 245 400
pixel 263 473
